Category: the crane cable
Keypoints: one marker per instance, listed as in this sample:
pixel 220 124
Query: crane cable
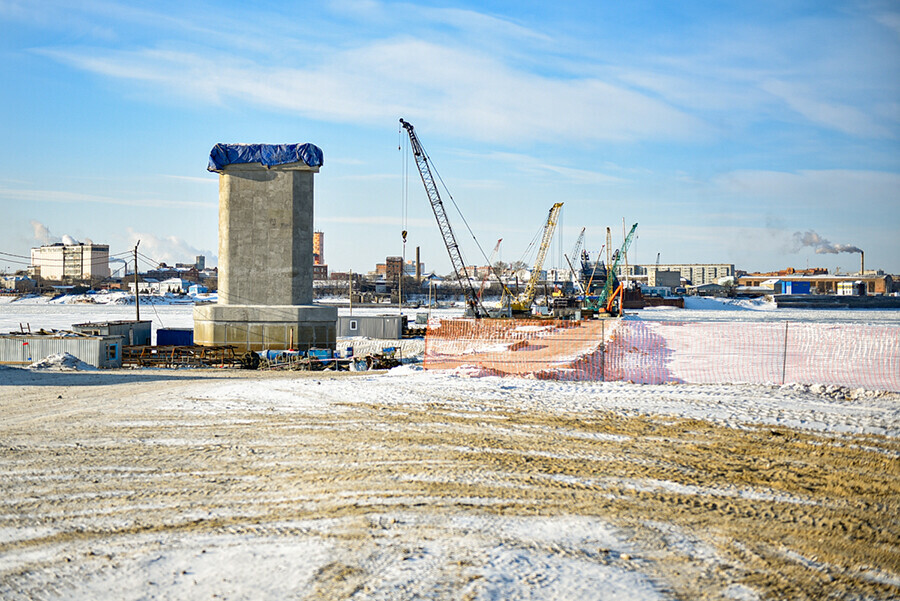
pixel 404 213
pixel 404 183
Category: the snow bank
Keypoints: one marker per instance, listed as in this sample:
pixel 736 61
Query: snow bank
pixel 62 362
pixel 705 303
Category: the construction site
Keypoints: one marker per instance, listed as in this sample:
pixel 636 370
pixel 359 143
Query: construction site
pixel 544 444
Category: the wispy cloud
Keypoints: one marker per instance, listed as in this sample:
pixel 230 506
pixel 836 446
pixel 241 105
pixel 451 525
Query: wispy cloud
pixel 189 178
pixel 455 90
pixel 530 164
pixel 81 197
pixel 834 115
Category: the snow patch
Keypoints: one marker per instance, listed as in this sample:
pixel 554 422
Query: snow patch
pixel 62 362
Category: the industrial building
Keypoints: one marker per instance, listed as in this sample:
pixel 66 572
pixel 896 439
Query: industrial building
pixel 70 262
pixel 823 283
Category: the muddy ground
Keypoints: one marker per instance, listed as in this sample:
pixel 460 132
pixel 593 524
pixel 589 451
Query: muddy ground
pixel 95 473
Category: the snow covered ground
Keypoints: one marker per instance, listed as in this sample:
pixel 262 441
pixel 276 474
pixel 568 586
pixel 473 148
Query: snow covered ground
pixel 438 485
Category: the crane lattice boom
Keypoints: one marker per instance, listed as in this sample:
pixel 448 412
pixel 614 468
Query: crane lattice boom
pixel 459 266
pixel 610 274
pixel 524 301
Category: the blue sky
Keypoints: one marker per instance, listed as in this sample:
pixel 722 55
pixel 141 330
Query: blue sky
pixel 728 131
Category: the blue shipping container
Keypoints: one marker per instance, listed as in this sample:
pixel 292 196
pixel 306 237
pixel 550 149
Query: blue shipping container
pixel 174 337
pixel 795 287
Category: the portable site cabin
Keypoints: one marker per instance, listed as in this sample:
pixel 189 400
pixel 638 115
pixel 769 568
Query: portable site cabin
pixel 386 327
pixel 135 333
pixel 25 349
pixel 851 288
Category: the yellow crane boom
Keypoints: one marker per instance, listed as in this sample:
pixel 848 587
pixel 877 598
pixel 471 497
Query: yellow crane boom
pixel 522 304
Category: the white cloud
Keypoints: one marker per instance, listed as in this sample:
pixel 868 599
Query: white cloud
pixel 831 114
pixel 456 90
pixel 890 20
pixel 200 180
pixel 534 165
pixel 26 195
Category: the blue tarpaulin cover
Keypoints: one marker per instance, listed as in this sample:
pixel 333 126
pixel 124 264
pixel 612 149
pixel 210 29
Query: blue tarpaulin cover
pixel 267 155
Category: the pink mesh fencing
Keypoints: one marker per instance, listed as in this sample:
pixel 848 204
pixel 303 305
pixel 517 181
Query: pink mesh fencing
pixel 650 352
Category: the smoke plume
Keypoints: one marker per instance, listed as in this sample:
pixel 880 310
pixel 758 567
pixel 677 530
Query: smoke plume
pixel 822 246
pixel 42 233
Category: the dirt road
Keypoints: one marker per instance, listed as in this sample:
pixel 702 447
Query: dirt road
pixel 103 473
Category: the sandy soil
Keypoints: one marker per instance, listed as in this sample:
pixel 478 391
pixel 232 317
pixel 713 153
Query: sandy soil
pixel 105 473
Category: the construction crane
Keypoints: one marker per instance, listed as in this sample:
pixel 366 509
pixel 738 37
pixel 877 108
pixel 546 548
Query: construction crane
pixel 490 268
pixel 607 296
pixel 576 254
pixel 522 304
pixel 459 266
pixel 586 267
pixel 579 285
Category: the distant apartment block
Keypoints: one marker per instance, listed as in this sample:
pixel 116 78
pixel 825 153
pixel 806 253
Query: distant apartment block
pixel 696 273
pixel 70 262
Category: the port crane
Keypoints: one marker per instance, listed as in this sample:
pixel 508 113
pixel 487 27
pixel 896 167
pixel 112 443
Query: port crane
pixel 473 301
pixel 607 296
pixel 522 304
pixel 576 254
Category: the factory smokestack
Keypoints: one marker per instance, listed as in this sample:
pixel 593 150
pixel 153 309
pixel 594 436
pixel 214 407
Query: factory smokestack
pixel 418 267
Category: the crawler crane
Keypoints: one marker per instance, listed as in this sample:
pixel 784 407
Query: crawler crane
pixel 473 302
pixel 521 305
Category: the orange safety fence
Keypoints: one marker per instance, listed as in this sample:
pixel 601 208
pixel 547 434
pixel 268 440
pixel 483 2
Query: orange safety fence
pixel 655 352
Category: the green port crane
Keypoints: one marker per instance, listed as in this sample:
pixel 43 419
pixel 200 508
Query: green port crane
pixel 606 297
pixel 604 302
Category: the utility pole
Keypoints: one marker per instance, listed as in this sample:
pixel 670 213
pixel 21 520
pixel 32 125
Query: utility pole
pixel 137 296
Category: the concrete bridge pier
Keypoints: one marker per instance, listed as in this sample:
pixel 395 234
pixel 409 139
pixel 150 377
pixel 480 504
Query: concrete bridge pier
pixel 265 252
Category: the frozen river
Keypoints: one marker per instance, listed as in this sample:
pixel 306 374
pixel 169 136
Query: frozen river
pixel 39 313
